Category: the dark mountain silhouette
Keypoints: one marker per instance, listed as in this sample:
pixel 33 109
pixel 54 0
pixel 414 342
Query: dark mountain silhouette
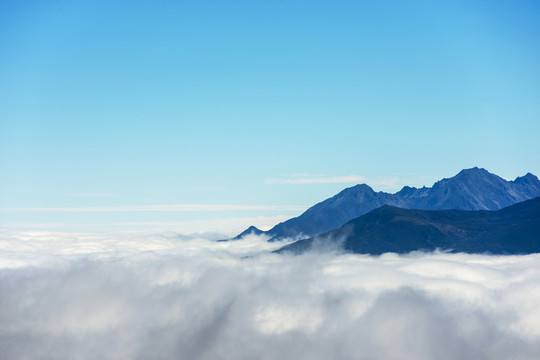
pixel 471 189
pixel 512 230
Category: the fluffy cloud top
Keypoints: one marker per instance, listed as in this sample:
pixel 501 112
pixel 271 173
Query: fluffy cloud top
pixel 165 296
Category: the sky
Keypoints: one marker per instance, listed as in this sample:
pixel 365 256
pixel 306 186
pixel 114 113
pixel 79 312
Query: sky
pixel 135 133
pixel 212 116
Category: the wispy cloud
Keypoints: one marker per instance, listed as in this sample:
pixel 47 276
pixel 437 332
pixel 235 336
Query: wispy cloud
pixel 149 208
pixel 385 183
pixel 91 194
pixel 225 226
pixel 318 179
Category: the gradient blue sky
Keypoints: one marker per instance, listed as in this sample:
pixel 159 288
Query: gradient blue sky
pixel 109 107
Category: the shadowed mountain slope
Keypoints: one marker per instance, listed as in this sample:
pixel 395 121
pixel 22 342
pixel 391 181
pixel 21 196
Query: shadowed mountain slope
pixel 512 230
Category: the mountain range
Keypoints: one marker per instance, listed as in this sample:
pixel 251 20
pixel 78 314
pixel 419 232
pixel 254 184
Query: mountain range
pixel 512 230
pixel 470 189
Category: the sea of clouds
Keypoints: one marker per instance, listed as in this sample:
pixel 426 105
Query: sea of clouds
pixel 167 296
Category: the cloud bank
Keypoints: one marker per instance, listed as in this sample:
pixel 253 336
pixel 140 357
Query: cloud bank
pixel 168 296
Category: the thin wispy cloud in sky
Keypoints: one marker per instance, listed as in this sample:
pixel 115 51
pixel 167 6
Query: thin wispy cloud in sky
pixel 224 227
pixel 90 194
pixel 145 208
pixel 384 182
pixel 307 179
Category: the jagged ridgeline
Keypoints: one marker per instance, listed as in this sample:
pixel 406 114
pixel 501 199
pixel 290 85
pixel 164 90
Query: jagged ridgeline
pixel 471 189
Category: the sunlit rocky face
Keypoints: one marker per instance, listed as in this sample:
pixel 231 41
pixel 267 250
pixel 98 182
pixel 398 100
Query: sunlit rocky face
pixel 161 296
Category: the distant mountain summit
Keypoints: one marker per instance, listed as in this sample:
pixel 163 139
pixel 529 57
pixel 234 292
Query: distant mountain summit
pixel 475 189
pixel 334 212
pixel 470 189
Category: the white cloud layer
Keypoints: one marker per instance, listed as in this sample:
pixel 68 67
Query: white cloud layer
pixel 168 296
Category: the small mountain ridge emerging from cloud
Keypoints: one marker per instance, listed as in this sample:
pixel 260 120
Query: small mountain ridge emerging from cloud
pixel 470 189
pixel 252 230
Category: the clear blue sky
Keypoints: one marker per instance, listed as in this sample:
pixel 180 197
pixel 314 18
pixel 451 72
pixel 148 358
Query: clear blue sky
pixel 273 104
